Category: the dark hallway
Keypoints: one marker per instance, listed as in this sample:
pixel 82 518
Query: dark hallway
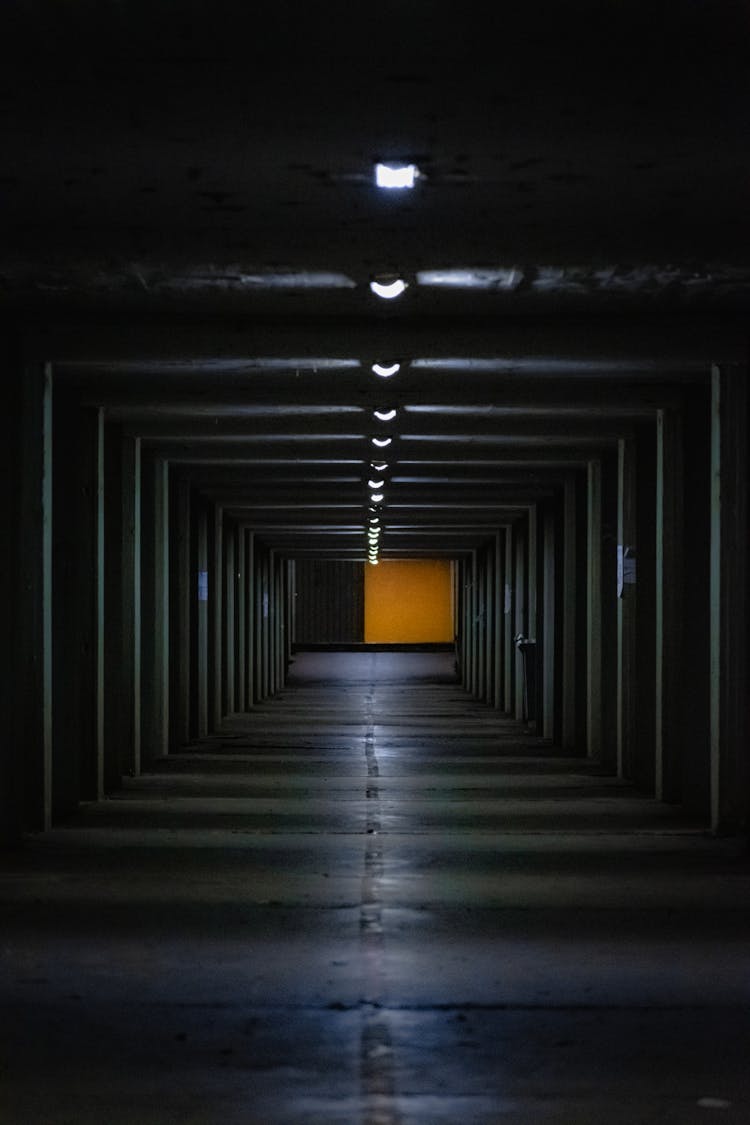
pixel 374 726
pixel 371 900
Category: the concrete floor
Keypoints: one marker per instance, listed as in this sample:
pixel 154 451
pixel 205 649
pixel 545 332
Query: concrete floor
pixel 373 901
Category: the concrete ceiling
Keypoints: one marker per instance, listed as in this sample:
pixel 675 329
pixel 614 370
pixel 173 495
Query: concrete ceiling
pixel 190 225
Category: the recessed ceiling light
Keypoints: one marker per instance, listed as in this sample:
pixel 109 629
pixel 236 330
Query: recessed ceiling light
pixel 384 415
pixel 396 176
pixel 377 497
pixel 386 370
pixel 379 466
pixel 375 483
pixel 381 442
pixel 388 289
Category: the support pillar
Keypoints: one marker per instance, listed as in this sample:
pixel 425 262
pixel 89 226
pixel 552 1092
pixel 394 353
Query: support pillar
pixel 155 589
pixel 548 625
pixel 668 733
pixel 594 610
pixel 498 620
pixel 508 651
pixel 730 773
pixel 181 593
pixel 216 609
pixel 519 620
pixel 33 734
pixel 201 594
pixel 570 655
pixel 251 601
pixel 626 609
pixel 230 622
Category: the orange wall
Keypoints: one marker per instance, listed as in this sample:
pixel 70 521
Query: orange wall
pixel 408 602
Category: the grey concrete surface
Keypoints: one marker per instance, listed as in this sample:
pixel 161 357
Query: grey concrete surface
pixel 375 901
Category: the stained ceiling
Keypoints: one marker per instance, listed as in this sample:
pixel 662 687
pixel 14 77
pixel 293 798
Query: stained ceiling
pixel 190 226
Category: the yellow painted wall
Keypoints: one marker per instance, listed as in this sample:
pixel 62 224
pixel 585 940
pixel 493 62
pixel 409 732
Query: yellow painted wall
pixel 408 602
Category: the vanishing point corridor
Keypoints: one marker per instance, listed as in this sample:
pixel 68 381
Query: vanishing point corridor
pixel 373 900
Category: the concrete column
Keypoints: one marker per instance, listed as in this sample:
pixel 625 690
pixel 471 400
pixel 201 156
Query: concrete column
pixel 122 605
pixel 230 620
pixel 609 609
pixel 34 638
pixel 12 578
pixel 534 616
pixel 594 609
pixel 155 594
pixel 668 734
pixel 497 624
pixel 290 614
pixel 182 589
pixel 273 623
pixel 216 610
pixel 645 630
pixel 481 624
pixel 251 602
pixel 466 623
pixel 75 585
pixel 100 579
pixel 489 624
pixel 730 772
pixel 241 588
pixel 130 593
pixel 201 594
pixel 548 627
pixel 267 623
pixel 476 647
pixel 509 655
pixel 570 654
pixel 519 618
pixel 259 626
pixel 281 623
pixel 626 609
pixel 696 627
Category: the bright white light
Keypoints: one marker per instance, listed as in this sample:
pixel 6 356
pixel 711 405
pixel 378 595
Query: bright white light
pixel 385 372
pixel 379 466
pixel 381 442
pixel 396 175
pixel 388 290
pixel 375 483
pixel 377 497
pixel 384 415
pixel 373 562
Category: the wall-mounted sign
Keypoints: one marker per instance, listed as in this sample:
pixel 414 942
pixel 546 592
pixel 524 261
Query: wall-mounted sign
pixel 202 585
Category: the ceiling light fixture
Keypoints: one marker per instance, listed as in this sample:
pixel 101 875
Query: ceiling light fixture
pixel 384 415
pixel 377 497
pixel 381 443
pixel 398 176
pixel 388 289
pixel 385 371
pixel 379 466
pixel 375 483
